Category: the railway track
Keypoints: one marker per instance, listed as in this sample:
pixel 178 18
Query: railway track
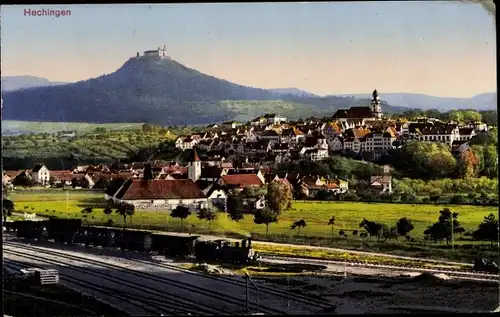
pixel 169 305
pixel 450 272
pixel 263 289
pixel 134 300
pixel 211 293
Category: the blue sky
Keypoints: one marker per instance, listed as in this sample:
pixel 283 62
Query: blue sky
pixel 438 48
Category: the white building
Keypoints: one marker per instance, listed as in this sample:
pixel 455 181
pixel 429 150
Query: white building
pixel 185 143
pixel 376 106
pixel 194 167
pixel 158 53
pixel 40 174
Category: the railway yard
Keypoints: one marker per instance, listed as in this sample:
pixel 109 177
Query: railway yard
pixel 141 284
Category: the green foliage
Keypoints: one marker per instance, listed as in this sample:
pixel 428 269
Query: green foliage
pixel 488 229
pixel 234 207
pixel 207 214
pixel 125 210
pixel 7 208
pixel 265 216
pixel 404 226
pixel 298 224
pixel 279 197
pixel 180 212
pixel 107 211
pixel 442 229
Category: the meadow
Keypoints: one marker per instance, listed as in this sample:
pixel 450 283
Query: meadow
pixel 52 127
pixel 68 204
pixel 316 214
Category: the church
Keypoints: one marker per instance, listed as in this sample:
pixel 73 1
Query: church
pixel 359 116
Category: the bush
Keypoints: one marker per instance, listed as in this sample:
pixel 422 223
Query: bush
pixel 458 200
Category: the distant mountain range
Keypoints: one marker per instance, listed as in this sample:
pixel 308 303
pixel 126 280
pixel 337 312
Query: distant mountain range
pixel 163 92
pixel 293 92
pixel 10 83
pixel 485 101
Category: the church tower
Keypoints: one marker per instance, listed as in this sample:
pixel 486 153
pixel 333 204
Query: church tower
pixel 376 107
pixel 194 167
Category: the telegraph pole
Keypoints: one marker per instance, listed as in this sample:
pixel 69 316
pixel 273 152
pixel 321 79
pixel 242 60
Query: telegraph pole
pixel 247 303
pixel 288 290
pixel 452 236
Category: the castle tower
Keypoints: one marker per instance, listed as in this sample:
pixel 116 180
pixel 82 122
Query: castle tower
pixel 194 167
pixel 376 106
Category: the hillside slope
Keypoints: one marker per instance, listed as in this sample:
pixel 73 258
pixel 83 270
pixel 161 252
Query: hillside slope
pixel 155 91
pixel 10 83
pixel 485 101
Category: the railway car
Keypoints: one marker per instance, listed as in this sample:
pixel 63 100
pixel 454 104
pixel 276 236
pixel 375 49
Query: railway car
pixel 173 245
pixel 95 236
pixel 31 229
pixel 133 240
pixel 64 230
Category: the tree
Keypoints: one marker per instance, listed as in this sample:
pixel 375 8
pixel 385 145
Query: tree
pixel 404 226
pixel 234 207
pixel 279 196
pixel 87 210
pixel 181 212
pixel 468 164
pixel 207 214
pixel 373 228
pixel 487 230
pixel 298 224
pixel 107 211
pixel 125 210
pixel 442 229
pixel 265 216
pixel 331 222
pixel 7 208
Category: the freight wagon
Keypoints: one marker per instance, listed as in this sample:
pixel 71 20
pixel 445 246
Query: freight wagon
pixel 72 231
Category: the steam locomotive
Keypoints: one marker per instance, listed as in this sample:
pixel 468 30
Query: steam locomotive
pixel 72 231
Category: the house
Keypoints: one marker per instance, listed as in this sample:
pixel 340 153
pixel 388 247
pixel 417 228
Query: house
pixel 40 174
pixel 434 132
pixel 274 119
pixel 240 181
pixel 161 193
pixel 317 154
pixel 61 177
pixel 381 184
pixel 216 195
pixel 243 171
pixel 336 144
pixel 185 142
pixel 465 134
pixel 231 124
pixel 212 173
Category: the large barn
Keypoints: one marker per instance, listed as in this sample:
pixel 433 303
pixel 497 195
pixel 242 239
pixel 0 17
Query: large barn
pixel 161 193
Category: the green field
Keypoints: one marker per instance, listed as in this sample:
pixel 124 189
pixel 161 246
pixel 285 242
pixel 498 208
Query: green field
pixel 51 127
pixel 117 142
pixel 316 214
pixel 69 204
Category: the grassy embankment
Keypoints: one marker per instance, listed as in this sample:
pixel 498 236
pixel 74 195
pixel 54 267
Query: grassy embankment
pixel 117 141
pixel 316 214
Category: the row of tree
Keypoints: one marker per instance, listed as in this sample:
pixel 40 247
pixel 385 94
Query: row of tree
pixel 467 115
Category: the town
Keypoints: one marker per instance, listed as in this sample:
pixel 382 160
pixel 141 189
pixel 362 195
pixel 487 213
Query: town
pixel 256 149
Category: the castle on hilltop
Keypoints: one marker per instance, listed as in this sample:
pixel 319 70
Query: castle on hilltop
pixel 160 53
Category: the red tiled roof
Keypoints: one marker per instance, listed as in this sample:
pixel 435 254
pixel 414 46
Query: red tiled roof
pixel 12 174
pixel 160 189
pixel 242 180
pixel 62 175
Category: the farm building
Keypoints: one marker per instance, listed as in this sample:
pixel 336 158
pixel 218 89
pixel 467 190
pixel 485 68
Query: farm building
pixel 160 193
